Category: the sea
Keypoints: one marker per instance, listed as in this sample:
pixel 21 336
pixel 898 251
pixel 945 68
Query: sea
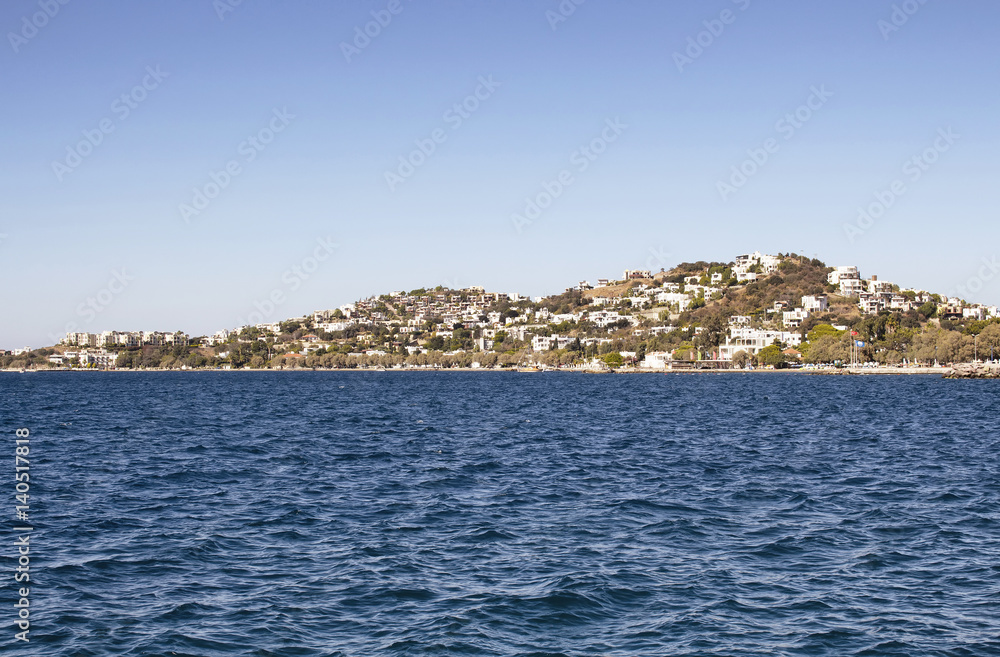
pixel 546 514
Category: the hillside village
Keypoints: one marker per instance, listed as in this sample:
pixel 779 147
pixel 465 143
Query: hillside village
pixel 759 310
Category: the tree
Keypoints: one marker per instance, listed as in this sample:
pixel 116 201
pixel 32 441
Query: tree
pixel 256 362
pixel 771 356
pixel 820 330
pixel 713 331
pixel 989 341
pixel 613 359
pixel 828 348
pixel 741 359
pixel 685 351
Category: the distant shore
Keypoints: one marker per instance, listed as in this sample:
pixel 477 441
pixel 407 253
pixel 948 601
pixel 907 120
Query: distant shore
pixel 942 371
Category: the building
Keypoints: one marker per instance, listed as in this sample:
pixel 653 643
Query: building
pixel 101 359
pixel 544 343
pixel 872 304
pixel 794 318
pixel 682 299
pixel 126 339
pixel 899 302
pixel 655 360
pixel 875 286
pixel 977 313
pixel 815 304
pixel 841 273
pixel 851 287
pixel 602 318
pixel 752 341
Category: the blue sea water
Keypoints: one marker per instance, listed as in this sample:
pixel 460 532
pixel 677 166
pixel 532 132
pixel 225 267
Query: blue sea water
pixel 370 514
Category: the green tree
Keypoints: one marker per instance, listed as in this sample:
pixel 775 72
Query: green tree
pixel 771 356
pixel 613 359
pixel 741 359
pixel 713 332
pixel 820 330
pixel 685 351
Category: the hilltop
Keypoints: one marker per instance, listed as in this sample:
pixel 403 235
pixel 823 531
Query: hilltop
pixel 768 310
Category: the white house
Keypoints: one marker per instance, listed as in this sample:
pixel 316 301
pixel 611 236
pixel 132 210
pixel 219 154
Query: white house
pixel 851 287
pixel 841 273
pixel 544 343
pixel 815 304
pixel 794 318
pixel 655 360
pixel 753 341
pixel 875 286
pixel 682 299
pixel 975 313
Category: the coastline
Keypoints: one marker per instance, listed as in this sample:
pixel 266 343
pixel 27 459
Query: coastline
pixel 944 372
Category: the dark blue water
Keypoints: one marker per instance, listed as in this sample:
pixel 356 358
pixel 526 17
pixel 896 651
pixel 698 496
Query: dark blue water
pixel 505 514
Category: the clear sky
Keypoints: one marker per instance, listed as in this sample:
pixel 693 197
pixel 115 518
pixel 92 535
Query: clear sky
pixel 117 115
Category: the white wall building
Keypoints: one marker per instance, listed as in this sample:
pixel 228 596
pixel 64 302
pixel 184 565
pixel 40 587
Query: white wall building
pixel 815 304
pixel 753 341
pixel 840 273
pixel 851 287
pixel 655 360
pixel 794 318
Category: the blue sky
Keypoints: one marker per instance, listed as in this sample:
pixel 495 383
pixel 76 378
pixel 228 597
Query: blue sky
pixel 206 84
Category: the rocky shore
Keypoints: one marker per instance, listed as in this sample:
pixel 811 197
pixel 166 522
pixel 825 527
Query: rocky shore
pixel 975 371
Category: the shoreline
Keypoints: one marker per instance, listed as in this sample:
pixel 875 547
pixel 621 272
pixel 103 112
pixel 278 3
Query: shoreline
pixel 941 371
